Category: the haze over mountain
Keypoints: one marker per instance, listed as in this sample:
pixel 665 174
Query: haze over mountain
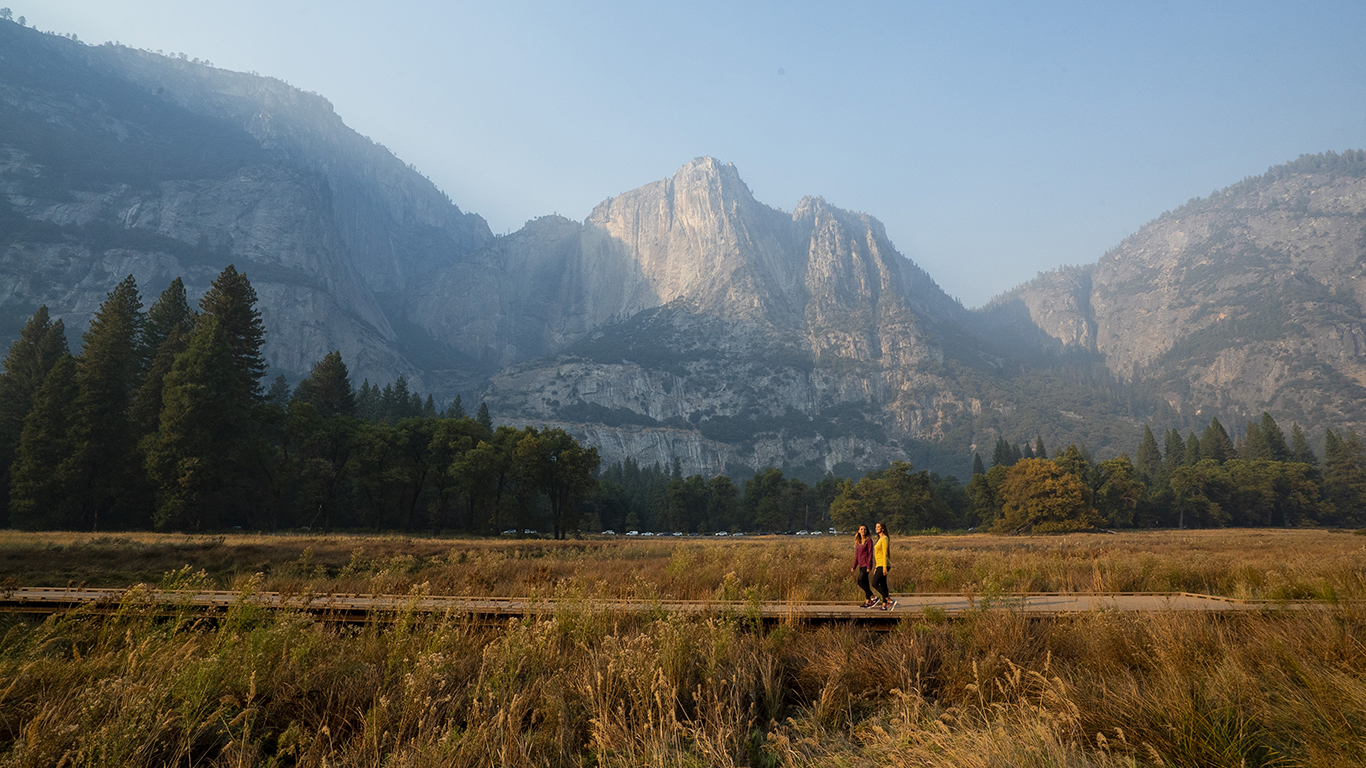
pixel 1250 299
pixel 681 319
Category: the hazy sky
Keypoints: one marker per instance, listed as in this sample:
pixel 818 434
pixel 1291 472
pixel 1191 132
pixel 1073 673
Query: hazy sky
pixel 994 140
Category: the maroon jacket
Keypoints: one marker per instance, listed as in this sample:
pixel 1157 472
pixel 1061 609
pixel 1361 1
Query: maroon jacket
pixel 863 554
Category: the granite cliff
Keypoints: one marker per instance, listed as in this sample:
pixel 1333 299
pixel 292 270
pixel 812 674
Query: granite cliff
pixel 1248 300
pixel 116 161
pixel 683 319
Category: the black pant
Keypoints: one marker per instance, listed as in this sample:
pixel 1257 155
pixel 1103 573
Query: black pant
pixel 880 583
pixel 863 582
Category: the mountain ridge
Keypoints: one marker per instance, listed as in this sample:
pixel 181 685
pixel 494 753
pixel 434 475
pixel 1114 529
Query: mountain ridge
pixel 684 317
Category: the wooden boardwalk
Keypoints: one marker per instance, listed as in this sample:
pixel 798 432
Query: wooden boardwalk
pixel 351 607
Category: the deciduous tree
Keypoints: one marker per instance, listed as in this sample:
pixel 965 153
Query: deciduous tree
pixel 1039 495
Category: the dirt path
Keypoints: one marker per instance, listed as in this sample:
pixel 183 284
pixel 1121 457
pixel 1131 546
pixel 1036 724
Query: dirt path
pixel 48 600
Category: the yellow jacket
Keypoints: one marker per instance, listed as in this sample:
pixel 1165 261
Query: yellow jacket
pixel 881 553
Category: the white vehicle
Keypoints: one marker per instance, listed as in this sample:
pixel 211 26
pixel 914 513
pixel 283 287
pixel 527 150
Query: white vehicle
pixel 609 533
pixel 633 533
pixel 803 533
pixel 720 533
pixel 647 533
pixel 678 533
pixel 815 533
pixel 741 533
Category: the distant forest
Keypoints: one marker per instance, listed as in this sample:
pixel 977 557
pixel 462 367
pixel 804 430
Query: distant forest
pixel 162 422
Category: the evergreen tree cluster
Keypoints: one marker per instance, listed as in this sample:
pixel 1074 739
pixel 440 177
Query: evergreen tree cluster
pixel 652 498
pixel 161 422
pixel 1211 480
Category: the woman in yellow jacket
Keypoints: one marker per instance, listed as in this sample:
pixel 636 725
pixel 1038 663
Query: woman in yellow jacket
pixel 882 565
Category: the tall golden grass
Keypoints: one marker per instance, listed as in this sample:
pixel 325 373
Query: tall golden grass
pixel 1267 563
pixel 589 687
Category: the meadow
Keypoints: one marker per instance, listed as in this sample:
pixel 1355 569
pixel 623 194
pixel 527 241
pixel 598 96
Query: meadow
pixel 592 687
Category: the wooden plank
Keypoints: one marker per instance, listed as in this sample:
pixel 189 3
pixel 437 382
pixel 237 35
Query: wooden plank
pixel 41 600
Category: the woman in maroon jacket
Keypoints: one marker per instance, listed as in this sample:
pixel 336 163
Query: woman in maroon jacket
pixel 863 562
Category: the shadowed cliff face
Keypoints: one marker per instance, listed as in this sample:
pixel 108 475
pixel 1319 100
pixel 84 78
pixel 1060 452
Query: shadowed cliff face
pixel 1249 300
pixel 115 162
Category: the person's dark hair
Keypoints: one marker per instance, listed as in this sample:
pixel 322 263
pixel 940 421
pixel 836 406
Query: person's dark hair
pixel 885 531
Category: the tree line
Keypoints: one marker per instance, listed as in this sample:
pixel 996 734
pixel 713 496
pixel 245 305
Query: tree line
pixel 652 498
pixel 1262 478
pixel 161 422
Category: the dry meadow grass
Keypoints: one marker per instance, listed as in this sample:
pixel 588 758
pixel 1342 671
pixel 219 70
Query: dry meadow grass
pixel 1267 563
pixel 590 687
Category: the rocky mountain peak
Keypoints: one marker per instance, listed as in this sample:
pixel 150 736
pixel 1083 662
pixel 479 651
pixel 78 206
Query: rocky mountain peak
pixel 1244 301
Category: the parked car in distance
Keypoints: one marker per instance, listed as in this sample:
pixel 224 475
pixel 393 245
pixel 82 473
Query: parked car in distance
pixel 803 533
pixel 609 533
pixel 633 533
pixel 720 533
pixel 678 533
pixel 741 533
pixel 508 532
pixel 647 533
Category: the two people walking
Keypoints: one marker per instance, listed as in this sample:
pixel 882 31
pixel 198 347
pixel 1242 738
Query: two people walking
pixel 872 563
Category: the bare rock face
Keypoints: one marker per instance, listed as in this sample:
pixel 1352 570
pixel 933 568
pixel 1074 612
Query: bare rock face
pixel 1052 312
pixel 1248 300
pixel 688 313
pixel 115 161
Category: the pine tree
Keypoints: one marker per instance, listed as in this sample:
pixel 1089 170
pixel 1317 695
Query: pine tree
pixel 31 357
pixel 1073 462
pixel 1149 464
pixel 429 408
pixel 189 457
pixel 367 402
pixel 40 345
pixel 1274 439
pixel 232 300
pixel 40 493
pixel 1174 454
pixel 1299 447
pixel 1026 451
pixel 1253 446
pixel 170 314
pixel 1001 456
pixel 145 413
pixel 1344 476
pixel 1193 454
pixel 485 420
pixel 977 468
pixel 1216 444
pixel 279 393
pixel 457 409
pixel 328 388
pixel 1039 451
pixel 106 480
pixel 396 400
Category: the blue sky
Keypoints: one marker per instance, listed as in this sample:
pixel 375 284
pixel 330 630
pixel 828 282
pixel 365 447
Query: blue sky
pixel 994 140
